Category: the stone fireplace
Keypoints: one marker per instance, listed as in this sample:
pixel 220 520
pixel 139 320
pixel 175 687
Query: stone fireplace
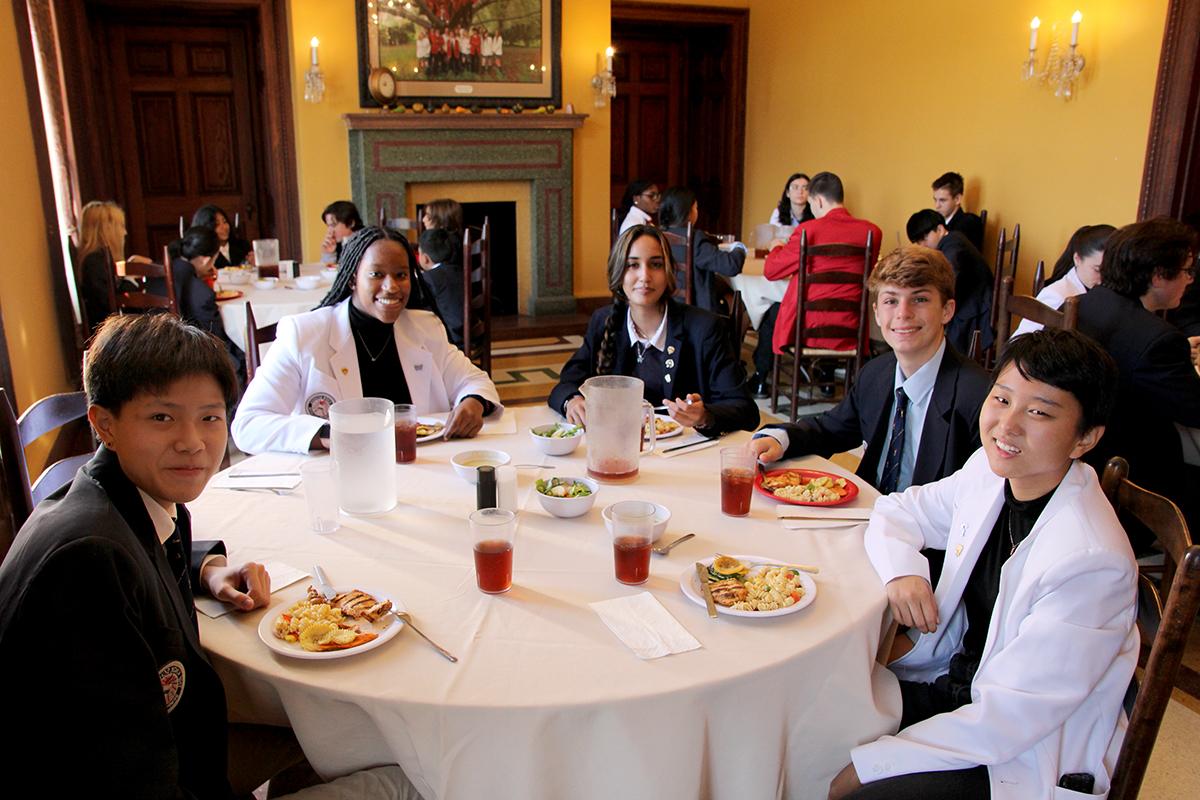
pixel 392 157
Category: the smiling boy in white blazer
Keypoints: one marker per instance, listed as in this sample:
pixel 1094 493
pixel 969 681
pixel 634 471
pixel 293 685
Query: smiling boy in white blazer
pixel 1014 686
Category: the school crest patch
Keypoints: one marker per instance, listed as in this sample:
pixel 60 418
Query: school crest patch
pixel 317 405
pixel 172 677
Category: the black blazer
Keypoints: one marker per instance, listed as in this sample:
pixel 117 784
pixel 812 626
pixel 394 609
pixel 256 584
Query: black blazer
pixel 1158 386
pixel 969 225
pixel 972 292
pixel 239 249
pixel 698 359
pixel 92 625
pixel 708 261
pixel 198 306
pixel 445 284
pixel 950 434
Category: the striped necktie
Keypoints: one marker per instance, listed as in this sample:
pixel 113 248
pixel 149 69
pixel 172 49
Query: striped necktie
pixel 180 569
pixel 895 453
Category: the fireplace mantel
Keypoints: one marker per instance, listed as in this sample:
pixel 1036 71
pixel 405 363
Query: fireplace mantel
pixel 389 152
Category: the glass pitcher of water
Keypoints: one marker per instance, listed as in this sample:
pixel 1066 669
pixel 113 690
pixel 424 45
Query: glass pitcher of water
pixel 363 442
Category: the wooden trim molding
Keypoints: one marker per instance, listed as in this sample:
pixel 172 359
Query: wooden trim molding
pixel 391 121
pixel 1173 121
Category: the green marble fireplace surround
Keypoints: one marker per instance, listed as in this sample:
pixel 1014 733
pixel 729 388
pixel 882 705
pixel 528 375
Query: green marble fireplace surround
pixel 390 152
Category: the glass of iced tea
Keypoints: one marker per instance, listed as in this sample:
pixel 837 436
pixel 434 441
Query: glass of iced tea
pixel 633 534
pixel 492 531
pixel 737 480
pixel 406 433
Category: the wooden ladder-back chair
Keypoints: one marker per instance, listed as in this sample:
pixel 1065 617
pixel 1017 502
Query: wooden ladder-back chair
pixel 477 296
pixel 688 288
pixel 974 351
pixel 256 337
pixel 983 222
pixel 73 449
pixel 144 300
pixel 1039 278
pixel 1012 247
pixel 1028 307
pixel 1164 630
pixel 852 359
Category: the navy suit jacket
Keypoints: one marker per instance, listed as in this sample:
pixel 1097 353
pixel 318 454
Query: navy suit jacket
pixel 969 225
pixel 949 437
pixel 708 261
pixel 702 362
pixel 972 292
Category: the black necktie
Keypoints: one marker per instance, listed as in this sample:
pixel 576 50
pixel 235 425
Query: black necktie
pixel 895 453
pixel 179 562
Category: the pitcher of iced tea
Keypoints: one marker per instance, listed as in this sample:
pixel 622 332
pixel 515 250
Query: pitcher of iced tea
pixel 616 418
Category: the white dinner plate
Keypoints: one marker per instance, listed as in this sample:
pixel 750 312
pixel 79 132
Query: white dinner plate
pixel 387 627
pixel 689 582
pixel 666 418
pixel 431 421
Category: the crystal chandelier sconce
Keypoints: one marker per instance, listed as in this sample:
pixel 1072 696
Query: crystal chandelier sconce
pixel 603 82
pixel 314 81
pixel 1061 72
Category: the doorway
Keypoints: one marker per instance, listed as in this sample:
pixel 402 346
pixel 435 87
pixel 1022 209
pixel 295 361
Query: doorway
pixel 679 115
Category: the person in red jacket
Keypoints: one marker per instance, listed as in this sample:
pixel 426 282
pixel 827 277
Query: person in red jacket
pixel 833 225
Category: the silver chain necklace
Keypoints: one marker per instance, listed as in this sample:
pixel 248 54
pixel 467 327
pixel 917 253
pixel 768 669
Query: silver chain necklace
pixel 376 356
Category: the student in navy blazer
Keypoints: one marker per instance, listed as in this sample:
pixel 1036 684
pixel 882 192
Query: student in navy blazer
pixel 681 353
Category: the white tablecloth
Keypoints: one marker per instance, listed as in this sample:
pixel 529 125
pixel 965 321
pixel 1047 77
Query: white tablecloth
pixel 758 293
pixel 545 702
pixel 270 305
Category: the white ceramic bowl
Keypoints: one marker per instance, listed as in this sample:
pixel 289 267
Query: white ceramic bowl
pixel 266 283
pixel 327 275
pixel 662 515
pixel 567 507
pixel 307 282
pixel 555 447
pixel 467 463
pixel 238 277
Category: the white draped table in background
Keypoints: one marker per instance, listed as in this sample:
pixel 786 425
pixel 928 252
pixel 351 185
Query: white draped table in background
pixel 270 305
pixel 758 293
pixel 545 702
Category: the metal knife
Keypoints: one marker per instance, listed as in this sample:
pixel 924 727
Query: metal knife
pixel 702 574
pixel 686 445
pixel 323 583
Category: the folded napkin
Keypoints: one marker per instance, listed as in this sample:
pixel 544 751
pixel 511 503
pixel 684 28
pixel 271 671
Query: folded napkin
pixel 281 575
pixel 669 448
pixel 820 524
pixel 852 512
pixel 265 471
pixel 644 626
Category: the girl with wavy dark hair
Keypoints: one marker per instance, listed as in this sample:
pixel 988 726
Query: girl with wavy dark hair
pixel 682 354
pixel 793 202
pixel 1076 271
pixel 231 251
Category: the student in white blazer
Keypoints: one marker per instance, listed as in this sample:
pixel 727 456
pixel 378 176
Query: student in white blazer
pixel 360 342
pixel 1029 704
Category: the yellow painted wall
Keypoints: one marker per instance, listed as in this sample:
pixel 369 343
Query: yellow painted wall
pixel 26 292
pixel 913 89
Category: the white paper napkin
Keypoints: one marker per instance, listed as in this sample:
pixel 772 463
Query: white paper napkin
pixel 265 471
pixel 281 575
pixel 820 524
pixel 644 626
pixel 822 512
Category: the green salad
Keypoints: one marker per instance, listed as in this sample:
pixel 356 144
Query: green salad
pixel 561 487
pixel 560 432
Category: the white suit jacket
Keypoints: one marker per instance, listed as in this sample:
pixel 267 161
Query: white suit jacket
pixel 1060 649
pixel 313 364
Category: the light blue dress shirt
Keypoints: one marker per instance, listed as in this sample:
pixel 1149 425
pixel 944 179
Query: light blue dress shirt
pixel 919 388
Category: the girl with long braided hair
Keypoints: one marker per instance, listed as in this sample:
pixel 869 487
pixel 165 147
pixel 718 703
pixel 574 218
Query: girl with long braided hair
pixel 682 354
pixel 361 341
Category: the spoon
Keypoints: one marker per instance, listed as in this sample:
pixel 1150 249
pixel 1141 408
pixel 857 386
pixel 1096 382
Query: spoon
pixel 407 618
pixel 663 549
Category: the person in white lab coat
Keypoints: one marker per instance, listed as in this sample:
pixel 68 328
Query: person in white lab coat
pixel 1014 686
pixel 361 342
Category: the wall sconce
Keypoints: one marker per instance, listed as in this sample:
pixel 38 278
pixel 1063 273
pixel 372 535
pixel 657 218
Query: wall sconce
pixel 1061 72
pixel 314 81
pixel 603 81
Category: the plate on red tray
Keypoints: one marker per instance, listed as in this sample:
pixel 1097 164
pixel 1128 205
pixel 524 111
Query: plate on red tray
pixel 228 294
pixel 804 476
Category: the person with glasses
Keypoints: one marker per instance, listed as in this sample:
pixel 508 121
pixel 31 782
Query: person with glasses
pixel 639 204
pixel 1145 270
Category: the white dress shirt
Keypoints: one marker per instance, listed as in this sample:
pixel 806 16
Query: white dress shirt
pixel 163 520
pixel 635 217
pixel 1053 295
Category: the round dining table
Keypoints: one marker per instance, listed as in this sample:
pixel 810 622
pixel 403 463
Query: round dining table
pixel 544 700
pixel 270 305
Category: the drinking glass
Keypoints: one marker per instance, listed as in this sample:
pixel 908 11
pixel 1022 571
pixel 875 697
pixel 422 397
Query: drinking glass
pixel 492 532
pixel 266 257
pixel 406 433
pixel 320 479
pixel 737 480
pixel 633 534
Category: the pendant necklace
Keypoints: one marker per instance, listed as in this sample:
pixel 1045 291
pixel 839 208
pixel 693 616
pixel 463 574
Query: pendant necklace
pixel 641 351
pixel 378 355
pixel 1012 540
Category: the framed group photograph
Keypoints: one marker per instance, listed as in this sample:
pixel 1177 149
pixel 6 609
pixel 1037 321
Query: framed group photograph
pixel 462 52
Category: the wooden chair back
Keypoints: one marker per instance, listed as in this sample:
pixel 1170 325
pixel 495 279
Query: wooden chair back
pixel 614 229
pixel 983 222
pixel 477 295
pixel 256 337
pixel 1011 247
pixel 146 301
pixel 1039 278
pixel 687 289
pixel 1181 581
pixel 974 351
pixel 1028 307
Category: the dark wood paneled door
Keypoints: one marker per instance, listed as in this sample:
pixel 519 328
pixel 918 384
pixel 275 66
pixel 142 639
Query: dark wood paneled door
pixel 647 113
pixel 188 135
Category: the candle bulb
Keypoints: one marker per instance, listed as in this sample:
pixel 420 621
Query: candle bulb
pixel 608 56
pixel 1033 29
pixel 314 44
pixel 1075 18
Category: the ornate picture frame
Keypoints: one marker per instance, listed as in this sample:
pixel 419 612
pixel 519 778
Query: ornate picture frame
pixel 487 53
